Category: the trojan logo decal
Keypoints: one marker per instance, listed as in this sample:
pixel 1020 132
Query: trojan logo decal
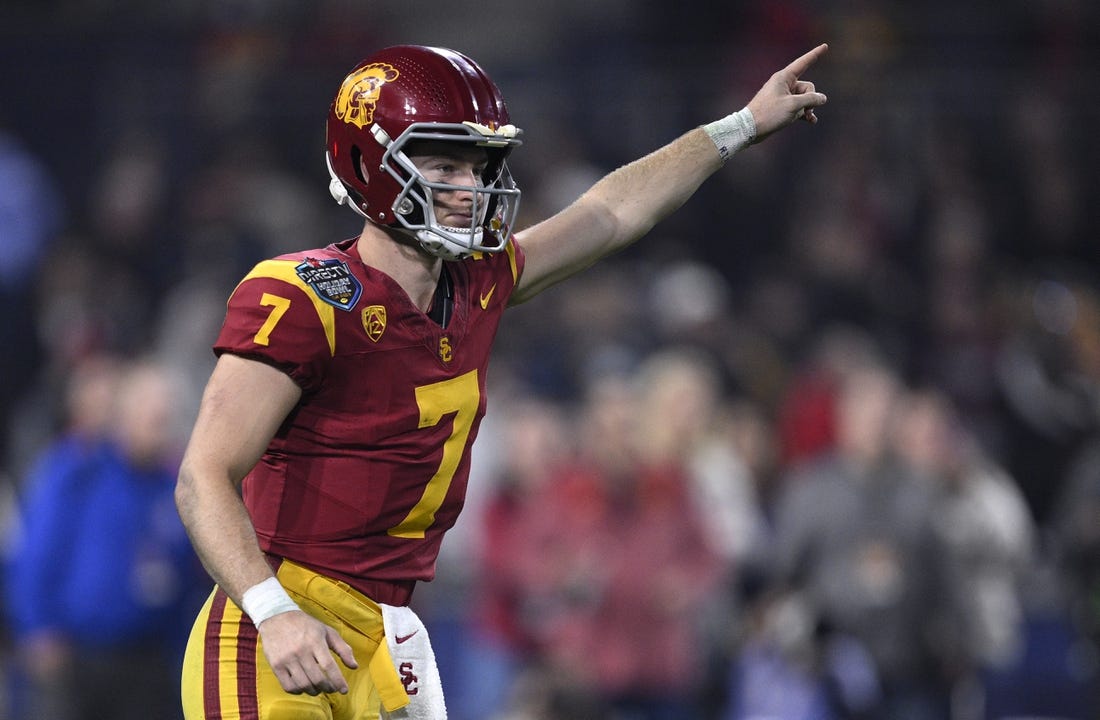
pixel 358 95
pixel 374 321
pixel 332 280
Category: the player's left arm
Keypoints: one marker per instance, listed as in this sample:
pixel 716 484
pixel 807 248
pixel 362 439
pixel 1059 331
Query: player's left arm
pixel 625 204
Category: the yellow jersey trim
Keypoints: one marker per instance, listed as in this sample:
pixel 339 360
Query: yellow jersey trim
pixel 285 270
pixel 510 248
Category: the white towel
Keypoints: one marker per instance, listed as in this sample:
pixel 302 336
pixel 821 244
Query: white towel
pixel 414 660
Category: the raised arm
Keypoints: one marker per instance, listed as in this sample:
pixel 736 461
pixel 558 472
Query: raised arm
pixel 625 204
pixel 244 403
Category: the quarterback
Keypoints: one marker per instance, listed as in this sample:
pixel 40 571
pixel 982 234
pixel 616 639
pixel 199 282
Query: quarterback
pixel 332 446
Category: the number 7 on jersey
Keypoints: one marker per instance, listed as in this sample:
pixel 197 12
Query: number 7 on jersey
pixel 460 396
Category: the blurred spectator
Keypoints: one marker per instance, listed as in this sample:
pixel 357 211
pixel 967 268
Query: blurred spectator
pixel 778 672
pixel 1076 541
pixel 686 428
pixel 806 415
pixel 102 578
pixel 618 567
pixel 681 408
pixel 990 543
pixel 1048 374
pixel 535 443
pixel 86 410
pixel 87 414
pixel 1075 528
pixel 855 543
pixel 31 215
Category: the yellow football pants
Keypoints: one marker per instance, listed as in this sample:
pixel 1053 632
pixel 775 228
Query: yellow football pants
pixel 227 677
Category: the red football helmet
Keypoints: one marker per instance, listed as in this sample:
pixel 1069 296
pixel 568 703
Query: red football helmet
pixel 407 93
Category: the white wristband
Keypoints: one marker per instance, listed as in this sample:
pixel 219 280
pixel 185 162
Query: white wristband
pixel 732 132
pixel 266 599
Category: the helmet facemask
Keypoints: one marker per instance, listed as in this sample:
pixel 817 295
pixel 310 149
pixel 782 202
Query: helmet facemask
pixel 495 197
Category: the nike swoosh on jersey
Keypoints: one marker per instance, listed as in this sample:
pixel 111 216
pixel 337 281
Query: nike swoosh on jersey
pixel 402 638
pixel 485 297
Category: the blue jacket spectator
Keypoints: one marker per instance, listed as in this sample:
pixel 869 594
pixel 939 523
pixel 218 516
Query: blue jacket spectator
pixel 102 579
pixel 102 548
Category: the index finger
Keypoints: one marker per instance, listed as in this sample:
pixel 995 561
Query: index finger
pixel 340 646
pixel 803 63
pixel 333 679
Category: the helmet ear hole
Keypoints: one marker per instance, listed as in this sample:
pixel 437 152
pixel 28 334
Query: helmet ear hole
pixel 357 164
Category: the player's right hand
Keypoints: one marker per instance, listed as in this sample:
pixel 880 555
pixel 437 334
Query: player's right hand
pixel 300 650
pixel 786 97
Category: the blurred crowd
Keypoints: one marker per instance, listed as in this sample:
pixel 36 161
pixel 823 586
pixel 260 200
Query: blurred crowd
pixel 825 445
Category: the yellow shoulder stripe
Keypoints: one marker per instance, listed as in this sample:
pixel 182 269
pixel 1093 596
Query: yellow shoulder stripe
pixel 284 270
pixel 510 251
pixel 510 248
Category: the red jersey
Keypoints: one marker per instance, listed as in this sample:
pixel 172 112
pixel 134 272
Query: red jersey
pixel 370 468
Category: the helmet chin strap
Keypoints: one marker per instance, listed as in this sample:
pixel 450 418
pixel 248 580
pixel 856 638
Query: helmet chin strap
pixel 435 242
pixel 442 242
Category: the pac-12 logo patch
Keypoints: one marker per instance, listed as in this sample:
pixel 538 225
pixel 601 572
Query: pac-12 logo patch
pixel 332 280
pixel 374 321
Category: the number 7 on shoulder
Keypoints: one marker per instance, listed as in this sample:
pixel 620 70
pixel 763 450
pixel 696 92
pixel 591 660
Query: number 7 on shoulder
pixel 279 305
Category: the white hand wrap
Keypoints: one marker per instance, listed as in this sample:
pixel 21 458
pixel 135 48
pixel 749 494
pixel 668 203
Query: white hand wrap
pixel 732 132
pixel 265 599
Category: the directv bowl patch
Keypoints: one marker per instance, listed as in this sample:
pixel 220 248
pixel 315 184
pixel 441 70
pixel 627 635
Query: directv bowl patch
pixel 332 281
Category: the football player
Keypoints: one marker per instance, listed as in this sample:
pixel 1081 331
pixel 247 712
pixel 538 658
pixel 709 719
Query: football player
pixel 332 446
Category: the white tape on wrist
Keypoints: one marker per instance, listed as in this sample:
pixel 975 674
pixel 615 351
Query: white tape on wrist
pixel 732 132
pixel 266 599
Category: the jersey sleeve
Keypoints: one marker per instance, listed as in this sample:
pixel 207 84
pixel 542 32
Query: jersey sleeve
pixel 274 318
